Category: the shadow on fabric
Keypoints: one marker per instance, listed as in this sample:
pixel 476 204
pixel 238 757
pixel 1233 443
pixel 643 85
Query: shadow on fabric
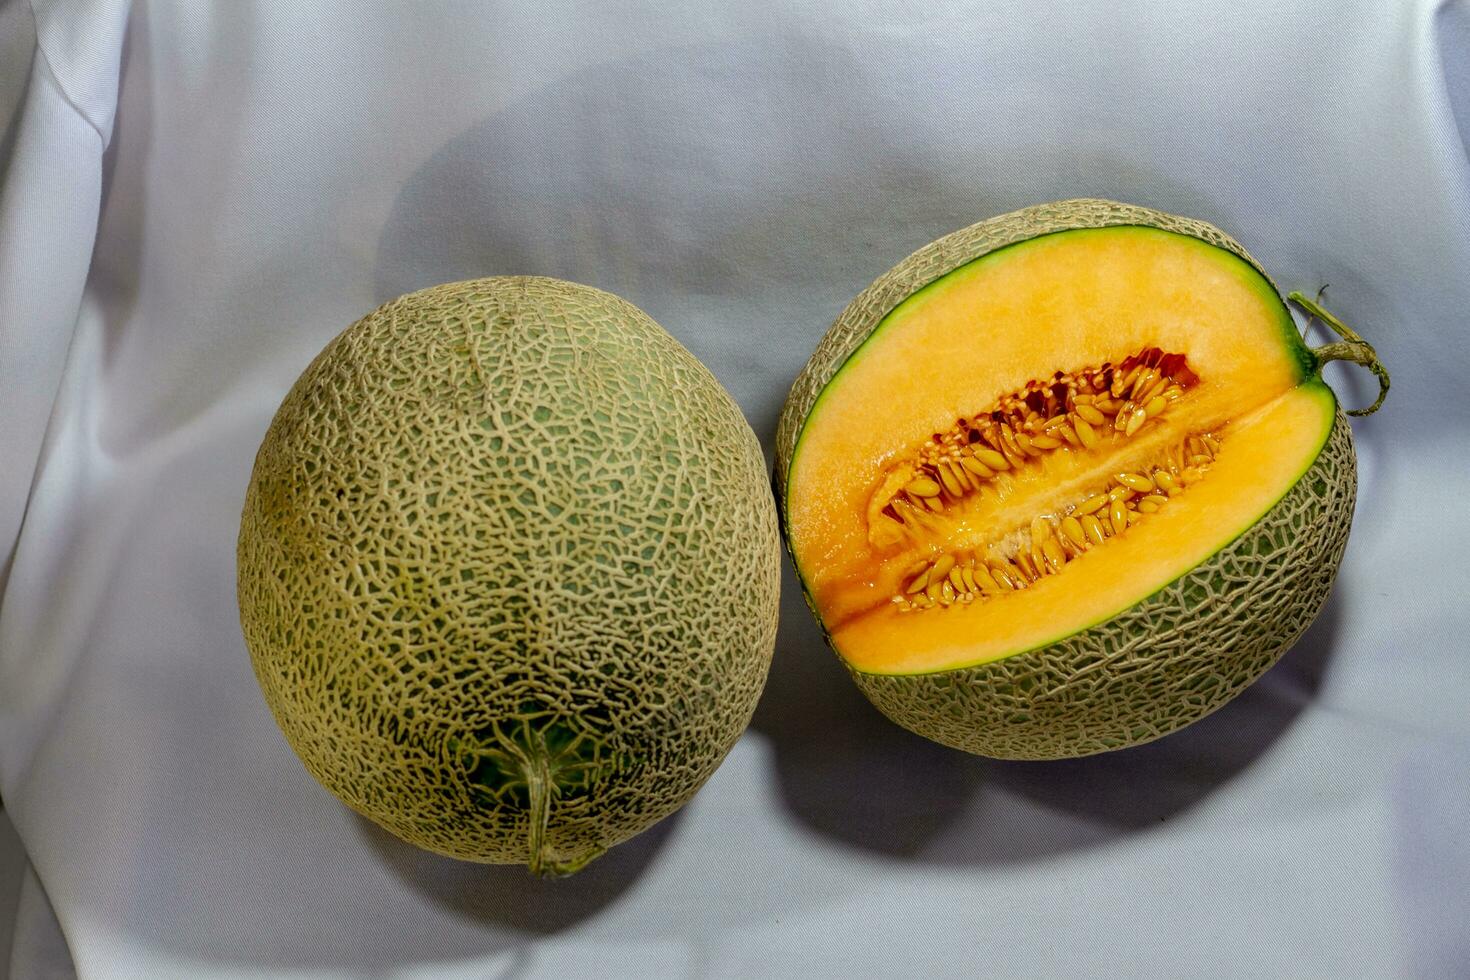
pixel 509 895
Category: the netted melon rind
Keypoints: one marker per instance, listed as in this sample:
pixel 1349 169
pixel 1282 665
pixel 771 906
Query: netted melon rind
pixel 506 518
pixel 857 322
pixel 1163 663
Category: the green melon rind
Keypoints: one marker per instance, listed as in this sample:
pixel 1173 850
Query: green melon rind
pixel 1161 664
pixel 503 532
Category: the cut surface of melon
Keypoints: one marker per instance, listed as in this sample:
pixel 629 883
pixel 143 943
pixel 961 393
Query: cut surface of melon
pixel 875 501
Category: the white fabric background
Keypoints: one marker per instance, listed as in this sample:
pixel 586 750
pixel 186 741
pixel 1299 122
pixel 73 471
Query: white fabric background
pixel 197 196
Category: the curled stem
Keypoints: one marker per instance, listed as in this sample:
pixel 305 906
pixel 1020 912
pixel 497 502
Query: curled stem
pixel 1351 348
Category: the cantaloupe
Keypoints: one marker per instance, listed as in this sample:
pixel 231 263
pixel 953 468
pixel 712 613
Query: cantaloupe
pixel 508 570
pixel 1066 480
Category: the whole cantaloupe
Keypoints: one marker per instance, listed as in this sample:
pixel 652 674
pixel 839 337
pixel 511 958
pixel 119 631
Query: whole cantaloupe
pixel 509 570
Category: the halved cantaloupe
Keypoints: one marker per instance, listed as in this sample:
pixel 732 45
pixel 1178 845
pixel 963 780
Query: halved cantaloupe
pixel 1066 480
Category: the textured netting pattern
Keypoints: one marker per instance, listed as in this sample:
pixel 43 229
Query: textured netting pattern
pixel 1166 662
pixel 854 325
pixel 509 570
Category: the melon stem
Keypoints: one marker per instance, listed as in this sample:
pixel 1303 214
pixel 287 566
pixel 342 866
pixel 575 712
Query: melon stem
pixel 541 787
pixel 1351 348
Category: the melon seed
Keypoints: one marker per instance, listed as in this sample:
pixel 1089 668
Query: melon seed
pixel 1090 414
pixel 1135 421
pixel 992 459
pixel 1136 481
pixel 1072 528
pixel 950 483
pixel 976 467
pixel 922 487
pixel 1094 529
pixel 1118 517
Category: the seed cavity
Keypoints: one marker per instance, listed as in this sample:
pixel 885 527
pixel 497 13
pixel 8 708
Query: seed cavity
pixel 1093 410
pixel 1051 541
pixel 1069 412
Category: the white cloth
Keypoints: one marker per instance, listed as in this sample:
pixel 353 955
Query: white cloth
pixel 197 196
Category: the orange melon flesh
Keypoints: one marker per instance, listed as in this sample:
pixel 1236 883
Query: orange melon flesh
pixel 1058 302
pixel 1246 478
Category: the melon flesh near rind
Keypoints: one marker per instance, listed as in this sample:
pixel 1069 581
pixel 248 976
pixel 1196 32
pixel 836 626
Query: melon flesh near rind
pixel 1163 663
